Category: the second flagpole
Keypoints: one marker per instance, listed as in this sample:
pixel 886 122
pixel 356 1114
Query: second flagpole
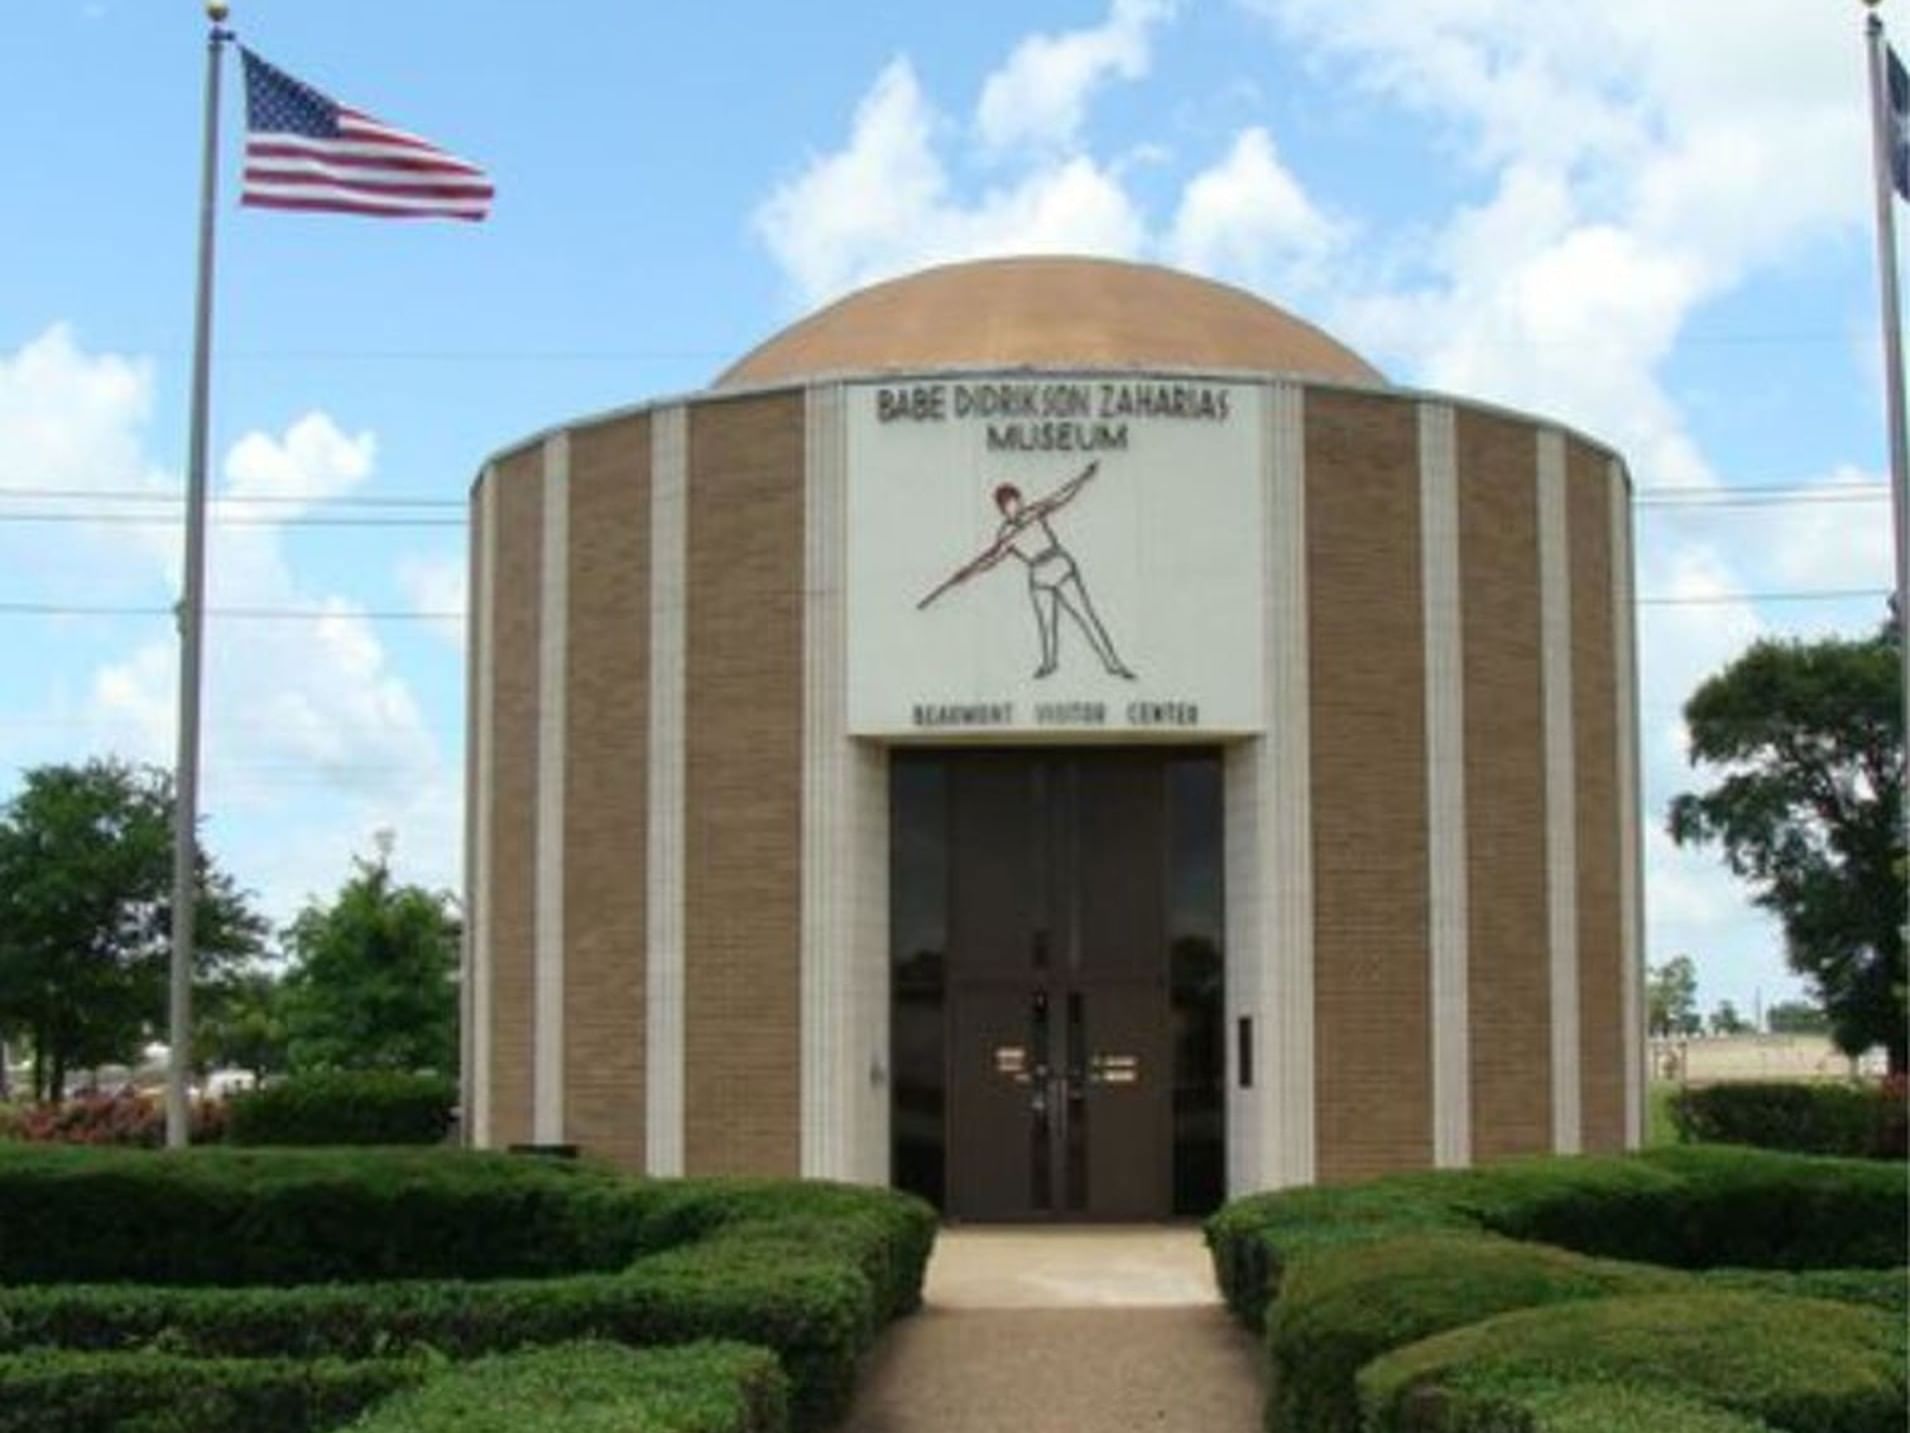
pixel 192 608
pixel 1884 174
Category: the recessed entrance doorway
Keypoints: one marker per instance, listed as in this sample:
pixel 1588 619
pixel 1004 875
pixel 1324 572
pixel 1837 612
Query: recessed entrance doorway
pixel 1058 1010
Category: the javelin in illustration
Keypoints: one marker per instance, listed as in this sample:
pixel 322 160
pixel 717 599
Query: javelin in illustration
pixel 1054 578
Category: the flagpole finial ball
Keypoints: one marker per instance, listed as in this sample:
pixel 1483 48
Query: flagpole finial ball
pixel 217 10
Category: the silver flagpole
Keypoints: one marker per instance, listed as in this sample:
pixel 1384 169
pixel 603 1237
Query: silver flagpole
pixel 1883 132
pixel 192 607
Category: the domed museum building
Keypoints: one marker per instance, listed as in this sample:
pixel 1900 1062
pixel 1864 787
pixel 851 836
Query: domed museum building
pixel 1063 737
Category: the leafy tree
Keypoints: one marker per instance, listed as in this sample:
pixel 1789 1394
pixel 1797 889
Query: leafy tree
pixel 241 1025
pixel 1807 743
pixel 1725 1020
pixel 1671 998
pixel 86 914
pixel 373 983
pixel 1797 1017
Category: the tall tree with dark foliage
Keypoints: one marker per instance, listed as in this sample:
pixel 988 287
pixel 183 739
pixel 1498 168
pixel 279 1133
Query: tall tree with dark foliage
pixel 1805 740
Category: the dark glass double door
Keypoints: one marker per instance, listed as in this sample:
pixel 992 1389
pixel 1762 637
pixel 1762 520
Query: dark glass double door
pixel 1070 1052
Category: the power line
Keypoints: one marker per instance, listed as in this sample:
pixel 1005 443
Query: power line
pixel 172 499
pixel 167 520
pixel 322 520
pixel 74 505
pixel 449 355
pixel 1815 499
pixel 1835 485
pixel 1721 599
pixel 316 614
pixel 248 614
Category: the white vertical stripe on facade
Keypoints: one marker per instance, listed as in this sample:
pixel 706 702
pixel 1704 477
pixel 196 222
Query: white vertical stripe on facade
pixel 1630 875
pixel 821 960
pixel 845 845
pixel 1561 805
pixel 1448 932
pixel 467 934
pixel 1285 1033
pixel 553 639
pixel 868 931
pixel 484 626
pixel 1268 850
pixel 1247 768
pixel 663 981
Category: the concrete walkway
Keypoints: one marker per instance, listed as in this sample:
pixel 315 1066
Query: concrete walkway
pixel 1064 1331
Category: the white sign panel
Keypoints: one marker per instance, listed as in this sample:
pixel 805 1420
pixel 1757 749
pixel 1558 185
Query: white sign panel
pixel 1055 555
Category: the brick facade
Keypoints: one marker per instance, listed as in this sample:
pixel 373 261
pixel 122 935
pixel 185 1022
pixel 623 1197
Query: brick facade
pixel 1595 733
pixel 512 900
pixel 606 782
pixel 1371 980
pixel 743 765
pixel 743 717
pixel 1505 788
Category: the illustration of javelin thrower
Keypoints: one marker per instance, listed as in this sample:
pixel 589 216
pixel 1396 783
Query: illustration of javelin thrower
pixel 1054 578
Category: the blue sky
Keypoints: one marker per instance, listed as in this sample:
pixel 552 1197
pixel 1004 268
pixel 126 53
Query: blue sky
pixel 1650 221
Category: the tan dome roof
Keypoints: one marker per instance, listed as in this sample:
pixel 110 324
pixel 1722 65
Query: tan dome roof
pixel 1047 313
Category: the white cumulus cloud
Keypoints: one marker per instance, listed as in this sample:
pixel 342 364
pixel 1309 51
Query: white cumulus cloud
pixel 1040 94
pixel 436 585
pixel 313 461
pixel 884 203
pixel 312 736
pixel 1248 218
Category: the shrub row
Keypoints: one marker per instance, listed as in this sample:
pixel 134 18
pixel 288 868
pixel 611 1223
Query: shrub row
pixel 1857 1121
pixel 346 1107
pixel 1337 1313
pixel 128 1119
pixel 1886 1289
pixel 1801 1365
pixel 63 1392
pixel 236 1217
pixel 1365 1273
pixel 810 1271
pixel 597 1388
pixel 380 1107
pixel 582 1388
pixel 1690 1208
pixel 1472 1402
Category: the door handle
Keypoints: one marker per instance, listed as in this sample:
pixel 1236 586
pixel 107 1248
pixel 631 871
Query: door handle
pixel 1114 1070
pixel 1041 1089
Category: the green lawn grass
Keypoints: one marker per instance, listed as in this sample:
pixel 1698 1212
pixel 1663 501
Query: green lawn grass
pixel 1659 1130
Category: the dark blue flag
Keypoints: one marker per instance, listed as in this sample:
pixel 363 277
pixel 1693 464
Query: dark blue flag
pixel 1899 125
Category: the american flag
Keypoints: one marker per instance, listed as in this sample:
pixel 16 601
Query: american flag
pixel 304 150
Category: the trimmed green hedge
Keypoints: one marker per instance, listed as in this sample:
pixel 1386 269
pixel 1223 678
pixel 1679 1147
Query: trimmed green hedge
pixel 334 1107
pixel 811 1271
pixel 62 1392
pixel 1854 1121
pixel 575 1388
pixel 1693 1208
pixel 888 1236
pixel 1343 1279
pixel 1802 1365
pixel 597 1388
pixel 1702 1208
pixel 1887 1289
pixel 1469 1402
pixel 238 1217
pixel 1335 1315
